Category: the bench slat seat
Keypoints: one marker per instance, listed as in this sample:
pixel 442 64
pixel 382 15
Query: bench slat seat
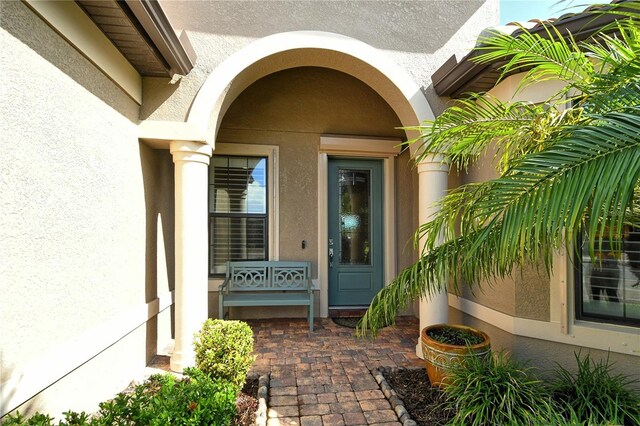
pixel 267 299
pixel 267 283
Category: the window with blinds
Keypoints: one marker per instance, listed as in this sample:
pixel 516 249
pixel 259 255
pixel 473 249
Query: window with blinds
pixel 238 219
pixel 608 288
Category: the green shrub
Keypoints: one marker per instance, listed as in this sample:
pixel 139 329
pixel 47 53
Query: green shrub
pixel 71 418
pixel 35 420
pixel 496 390
pixel 196 400
pixel 594 395
pixel 223 350
pixel 162 400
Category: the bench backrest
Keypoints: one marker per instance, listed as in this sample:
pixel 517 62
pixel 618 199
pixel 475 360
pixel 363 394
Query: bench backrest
pixel 268 276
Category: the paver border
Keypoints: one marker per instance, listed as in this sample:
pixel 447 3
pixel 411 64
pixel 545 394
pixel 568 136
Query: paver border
pixel 263 399
pixel 396 403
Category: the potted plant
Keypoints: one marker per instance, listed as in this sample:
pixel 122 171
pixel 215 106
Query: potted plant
pixel 444 344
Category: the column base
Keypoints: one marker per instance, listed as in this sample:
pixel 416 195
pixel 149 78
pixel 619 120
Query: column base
pixel 419 349
pixel 180 360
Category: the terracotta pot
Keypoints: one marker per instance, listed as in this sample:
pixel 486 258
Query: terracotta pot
pixel 438 356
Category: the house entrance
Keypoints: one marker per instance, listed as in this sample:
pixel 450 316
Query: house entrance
pixel 355 202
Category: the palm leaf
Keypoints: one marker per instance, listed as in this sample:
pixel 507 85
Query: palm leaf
pixel 550 58
pixel 466 130
pixel 567 164
pixel 524 215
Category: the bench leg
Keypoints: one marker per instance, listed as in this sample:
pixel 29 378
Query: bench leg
pixel 311 315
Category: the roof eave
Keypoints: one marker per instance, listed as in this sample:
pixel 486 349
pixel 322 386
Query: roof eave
pixel 176 50
pixel 456 78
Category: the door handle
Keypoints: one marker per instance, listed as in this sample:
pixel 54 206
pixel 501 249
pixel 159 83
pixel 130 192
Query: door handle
pixel 331 257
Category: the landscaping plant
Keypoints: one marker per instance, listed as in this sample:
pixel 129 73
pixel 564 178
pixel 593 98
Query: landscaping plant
pixel 595 395
pixel 224 350
pixel 566 165
pixel 496 390
pixel 455 336
pixel 196 400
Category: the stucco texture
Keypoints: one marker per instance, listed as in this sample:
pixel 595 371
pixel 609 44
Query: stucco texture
pixel 545 355
pixel 524 294
pixel 417 35
pixel 292 109
pixel 81 201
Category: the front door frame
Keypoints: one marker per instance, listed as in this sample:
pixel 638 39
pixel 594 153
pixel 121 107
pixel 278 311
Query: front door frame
pixel 356 147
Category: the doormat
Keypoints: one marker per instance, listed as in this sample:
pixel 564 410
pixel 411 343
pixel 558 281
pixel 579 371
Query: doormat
pixel 350 322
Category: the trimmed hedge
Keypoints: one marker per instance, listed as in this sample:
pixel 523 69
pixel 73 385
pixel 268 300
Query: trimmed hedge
pixel 224 350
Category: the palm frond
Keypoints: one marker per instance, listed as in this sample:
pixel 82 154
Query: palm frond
pixel 587 178
pixel 616 83
pixel 465 131
pixel 570 163
pixel 542 58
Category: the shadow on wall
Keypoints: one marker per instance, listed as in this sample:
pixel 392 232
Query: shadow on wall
pixel 414 26
pixel 437 103
pixel 157 176
pixel 27 27
pixel 9 386
pixel 155 92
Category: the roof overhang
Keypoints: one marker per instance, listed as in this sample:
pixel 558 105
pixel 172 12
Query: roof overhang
pixel 141 31
pixel 457 77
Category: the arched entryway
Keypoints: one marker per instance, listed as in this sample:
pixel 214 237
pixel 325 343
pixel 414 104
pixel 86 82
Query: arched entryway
pixel 192 143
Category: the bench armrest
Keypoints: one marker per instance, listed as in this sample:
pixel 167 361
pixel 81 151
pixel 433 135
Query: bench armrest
pixel 223 286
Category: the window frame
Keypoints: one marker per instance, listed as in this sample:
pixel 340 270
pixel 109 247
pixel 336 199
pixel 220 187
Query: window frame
pixel 578 290
pixel 269 152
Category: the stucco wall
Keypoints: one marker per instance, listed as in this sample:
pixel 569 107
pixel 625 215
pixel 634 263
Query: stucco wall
pixel 543 354
pixel 417 35
pixel 292 109
pixel 524 294
pixel 406 209
pixel 80 205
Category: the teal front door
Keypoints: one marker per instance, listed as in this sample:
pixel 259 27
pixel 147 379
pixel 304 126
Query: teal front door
pixel 355 231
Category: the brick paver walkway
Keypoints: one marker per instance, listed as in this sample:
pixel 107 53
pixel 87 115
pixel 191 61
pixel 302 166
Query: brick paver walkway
pixel 323 378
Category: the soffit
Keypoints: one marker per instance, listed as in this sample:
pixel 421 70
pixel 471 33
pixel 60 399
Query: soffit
pixel 141 32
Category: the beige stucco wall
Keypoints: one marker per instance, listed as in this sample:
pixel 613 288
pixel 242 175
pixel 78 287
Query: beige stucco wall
pixel 406 209
pixel 527 293
pixel 291 109
pixel 87 212
pixel 417 35
pixel 542 354
pixel 81 201
pixel 524 294
pixel 407 220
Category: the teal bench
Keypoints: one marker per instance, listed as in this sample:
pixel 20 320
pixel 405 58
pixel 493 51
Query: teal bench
pixel 267 283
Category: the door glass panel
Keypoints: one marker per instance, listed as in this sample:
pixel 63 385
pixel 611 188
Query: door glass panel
pixel 355 232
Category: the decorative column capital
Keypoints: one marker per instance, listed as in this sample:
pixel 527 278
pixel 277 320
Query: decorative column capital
pixel 433 163
pixel 190 151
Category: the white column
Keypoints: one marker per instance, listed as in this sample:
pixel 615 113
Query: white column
pixel 432 186
pixel 191 161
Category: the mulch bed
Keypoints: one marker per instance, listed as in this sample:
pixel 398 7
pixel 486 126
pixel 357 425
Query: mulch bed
pixel 247 403
pixel 423 403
